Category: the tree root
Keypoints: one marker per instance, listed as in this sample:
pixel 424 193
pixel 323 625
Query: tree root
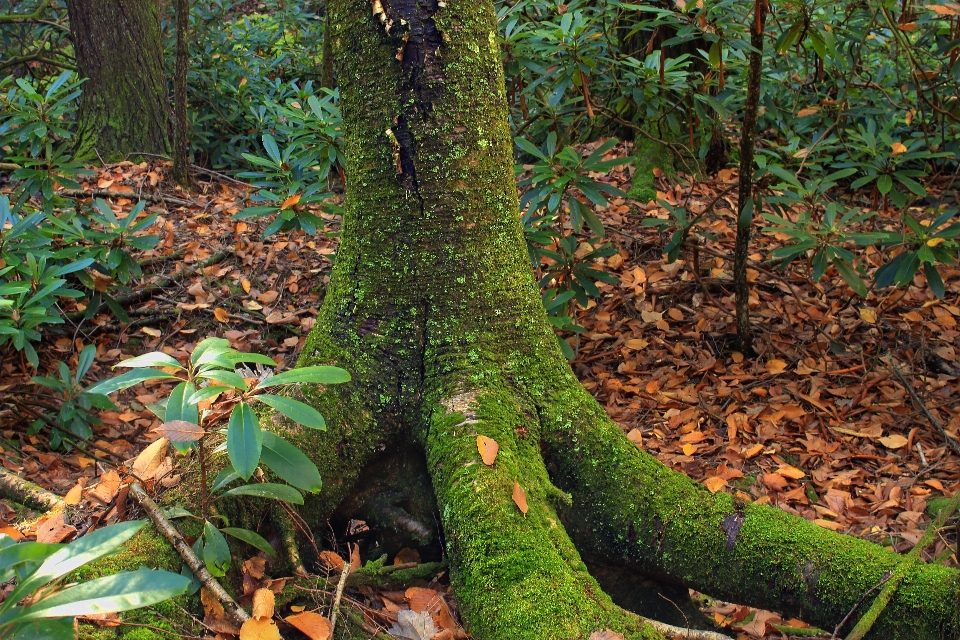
pixel 687 634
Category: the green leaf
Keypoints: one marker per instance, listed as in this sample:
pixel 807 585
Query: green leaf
pixel 244 440
pixel 224 478
pixel 216 551
pixel 239 356
pixel 44 629
pixel 851 277
pixel 884 183
pixel 290 463
pixel 176 512
pixel 297 411
pixel 283 492
pixel 155 359
pixel 251 538
pixel 209 349
pixel 128 379
pixel 314 375
pixel 14 557
pixel 229 378
pixel 76 554
pixel 933 280
pixel 118 592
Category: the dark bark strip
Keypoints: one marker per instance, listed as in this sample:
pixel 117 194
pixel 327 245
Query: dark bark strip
pixel 124 107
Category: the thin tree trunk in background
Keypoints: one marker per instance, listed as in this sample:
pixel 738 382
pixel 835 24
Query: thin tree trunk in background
pixel 181 168
pixel 124 108
pixel 327 79
pixel 745 192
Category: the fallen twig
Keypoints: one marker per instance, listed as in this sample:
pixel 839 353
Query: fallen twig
pixel 236 614
pixel 923 407
pixel 339 594
pixel 687 634
pixel 26 492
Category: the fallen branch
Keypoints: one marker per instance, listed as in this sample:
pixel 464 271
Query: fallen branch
pixel 236 614
pixel 933 420
pixel 866 622
pixel 106 193
pixel 339 594
pixel 28 493
pixel 687 634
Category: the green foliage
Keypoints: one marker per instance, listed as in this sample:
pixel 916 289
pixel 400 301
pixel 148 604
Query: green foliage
pixel 35 565
pixel 214 369
pixel 76 414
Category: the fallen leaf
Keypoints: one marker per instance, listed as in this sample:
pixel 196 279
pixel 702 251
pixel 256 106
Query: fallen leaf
pixel 354 557
pixel 108 487
pixel 488 449
pixel 897 148
pixel 254 629
pixel 263 603
pixel 894 441
pixel 331 560
pixel 180 431
pixel 776 366
pixel 689 449
pixel 54 529
pixel 827 524
pixel 606 634
pixel 420 599
pixel 752 451
pixel 245 285
pixel 636 437
pixel 221 314
pixel 636 344
pixel 809 111
pixel 520 497
pixel 651 316
pixel 407 556
pixel 150 459
pixel 868 315
pixel 73 496
pixel 313 625
pixel 150 331
pixel 412 625
pixel 787 471
pixel 714 483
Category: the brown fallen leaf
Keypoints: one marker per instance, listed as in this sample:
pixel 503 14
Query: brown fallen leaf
pixel 606 634
pixel 488 449
pixel 313 625
pixel 406 556
pixel 221 314
pixel 107 490
pixel 180 431
pixel 331 560
pixel 420 599
pixel 150 459
pixel 714 483
pixel 54 529
pixel 254 629
pixel 520 497
pixel 787 471
pixel 894 441
pixel 263 603
pixel 73 496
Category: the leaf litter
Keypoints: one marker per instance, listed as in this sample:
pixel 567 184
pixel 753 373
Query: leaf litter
pixel 816 424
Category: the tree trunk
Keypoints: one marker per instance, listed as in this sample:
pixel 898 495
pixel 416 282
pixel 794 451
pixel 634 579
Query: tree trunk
pixel 181 161
pixel 745 200
pixel 434 310
pixel 124 108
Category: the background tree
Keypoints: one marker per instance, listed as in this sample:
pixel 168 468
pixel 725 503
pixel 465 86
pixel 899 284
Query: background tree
pixel 124 108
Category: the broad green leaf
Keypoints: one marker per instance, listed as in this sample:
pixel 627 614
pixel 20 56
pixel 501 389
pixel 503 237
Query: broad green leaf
pixel 251 538
pixel 315 375
pixel 216 551
pixel 176 512
pixel 44 629
pixel 118 592
pixel 179 407
pixel 297 411
pixel 229 378
pixel 15 556
pixel 290 463
pixel 934 280
pixel 244 440
pixel 128 379
pixel 282 492
pixel 851 277
pixel 884 183
pixel 259 358
pixel 224 478
pixel 155 359
pixel 208 349
pixel 77 553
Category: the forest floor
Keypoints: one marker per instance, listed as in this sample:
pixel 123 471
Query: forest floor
pixel 820 423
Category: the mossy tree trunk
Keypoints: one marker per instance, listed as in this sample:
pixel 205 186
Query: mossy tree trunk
pixel 433 309
pixel 124 107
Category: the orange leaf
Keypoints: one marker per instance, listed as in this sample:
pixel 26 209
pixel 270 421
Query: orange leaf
pixel 776 366
pixel 289 202
pixel 331 560
pixel 221 314
pixel 313 625
pixel 354 557
pixel 689 449
pixel 245 284
pixel 894 441
pixel 636 437
pixel 488 449
pixel 714 483
pixel 897 148
pixel 790 472
pixel 180 431
pixel 73 496
pixel 520 497
pixel 263 603
pixel 752 451
pixel 254 629
pixel 149 460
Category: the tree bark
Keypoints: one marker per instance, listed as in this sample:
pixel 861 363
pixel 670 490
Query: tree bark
pixel 181 162
pixel 745 200
pixel 434 310
pixel 124 107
